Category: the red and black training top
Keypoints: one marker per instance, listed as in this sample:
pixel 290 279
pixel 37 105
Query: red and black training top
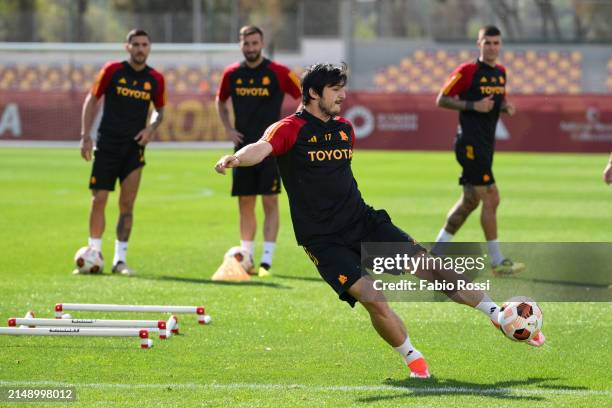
pixel 127 98
pixel 257 95
pixel 472 82
pixel 314 159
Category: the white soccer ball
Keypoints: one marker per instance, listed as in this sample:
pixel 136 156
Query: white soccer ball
pixel 242 255
pixel 88 260
pixel 521 319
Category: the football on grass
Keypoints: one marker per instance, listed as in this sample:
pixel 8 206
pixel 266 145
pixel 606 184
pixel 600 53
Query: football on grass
pixel 242 255
pixel 520 320
pixel 88 260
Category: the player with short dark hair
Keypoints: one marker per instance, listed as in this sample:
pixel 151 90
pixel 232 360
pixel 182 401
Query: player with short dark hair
pixel 257 87
pixel 478 91
pixel 128 87
pixel 330 219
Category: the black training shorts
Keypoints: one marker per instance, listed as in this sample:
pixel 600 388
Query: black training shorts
pixel 114 161
pixel 261 179
pixel 476 164
pixel 338 259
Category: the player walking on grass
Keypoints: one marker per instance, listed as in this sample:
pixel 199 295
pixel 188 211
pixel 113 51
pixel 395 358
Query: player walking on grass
pixel 477 90
pixel 314 148
pixel 257 87
pixel 128 88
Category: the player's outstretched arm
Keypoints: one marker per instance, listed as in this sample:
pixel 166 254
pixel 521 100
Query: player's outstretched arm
pixel 88 114
pixel 249 155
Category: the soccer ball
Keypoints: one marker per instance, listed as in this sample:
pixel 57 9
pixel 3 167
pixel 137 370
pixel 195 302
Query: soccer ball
pixel 520 319
pixel 242 255
pixel 88 260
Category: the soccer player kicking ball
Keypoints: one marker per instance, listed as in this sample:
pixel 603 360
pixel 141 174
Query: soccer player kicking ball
pixel 314 148
pixel 477 90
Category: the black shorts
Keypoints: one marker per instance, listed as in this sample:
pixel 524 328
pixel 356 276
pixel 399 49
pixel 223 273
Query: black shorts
pixel 476 164
pixel 112 161
pixel 338 260
pixel 261 179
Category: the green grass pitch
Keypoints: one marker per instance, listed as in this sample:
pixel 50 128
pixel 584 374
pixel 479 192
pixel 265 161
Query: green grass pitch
pixel 287 341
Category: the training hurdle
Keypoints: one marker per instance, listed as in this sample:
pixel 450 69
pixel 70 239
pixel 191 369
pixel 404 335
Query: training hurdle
pixel 165 328
pixel 143 334
pixel 203 318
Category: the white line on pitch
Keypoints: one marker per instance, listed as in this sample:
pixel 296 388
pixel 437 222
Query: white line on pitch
pixel 329 388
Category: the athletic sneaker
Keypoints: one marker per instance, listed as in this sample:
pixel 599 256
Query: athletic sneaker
pixel 264 270
pixel 418 368
pixel 507 267
pixel 537 341
pixel 123 269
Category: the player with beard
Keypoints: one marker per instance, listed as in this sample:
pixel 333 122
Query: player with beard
pixel 128 87
pixel 314 148
pixel 257 87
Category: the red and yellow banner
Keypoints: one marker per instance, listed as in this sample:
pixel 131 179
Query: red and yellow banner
pixel 542 123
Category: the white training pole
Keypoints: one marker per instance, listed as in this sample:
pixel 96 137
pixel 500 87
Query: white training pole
pixel 145 341
pixel 164 327
pixel 172 324
pixel 203 318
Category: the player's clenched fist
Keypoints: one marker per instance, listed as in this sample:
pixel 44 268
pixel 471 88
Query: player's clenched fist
pixel 485 104
pixel 226 162
pixel 86 146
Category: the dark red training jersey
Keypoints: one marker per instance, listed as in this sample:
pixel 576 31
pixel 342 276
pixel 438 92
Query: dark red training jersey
pixel 257 95
pixel 472 82
pixel 127 97
pixel 314 159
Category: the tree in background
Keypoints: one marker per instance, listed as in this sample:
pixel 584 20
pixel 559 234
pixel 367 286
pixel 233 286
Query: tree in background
pixel 592 20
pixel 548 15
pixel 508 14
pixel 17 20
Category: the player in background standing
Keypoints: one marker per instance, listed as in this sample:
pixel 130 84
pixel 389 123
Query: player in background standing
pixel 330 218
pixel 257 87
pixel 607 173
pixel 477 90
pixel 128 87
pixel 607 176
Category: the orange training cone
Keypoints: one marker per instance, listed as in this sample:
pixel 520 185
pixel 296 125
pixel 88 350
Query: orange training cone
pixel 231 270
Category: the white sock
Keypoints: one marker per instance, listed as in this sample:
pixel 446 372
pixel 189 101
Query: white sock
pixel 444 236
pixel 408 351
pixel 495 252
pixel 268 251
pixel 96 243
pixel 488 307
pixel 249 246
pixel 120 251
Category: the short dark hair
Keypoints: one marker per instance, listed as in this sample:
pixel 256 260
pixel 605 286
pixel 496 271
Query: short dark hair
pixel 319 76
pixel 250 29
pixel 136 32
pixel 489 30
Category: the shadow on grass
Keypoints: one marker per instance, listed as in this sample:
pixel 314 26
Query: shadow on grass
pixel 299 278
pixel 203 281
pixel 563 282
pixel 441 387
